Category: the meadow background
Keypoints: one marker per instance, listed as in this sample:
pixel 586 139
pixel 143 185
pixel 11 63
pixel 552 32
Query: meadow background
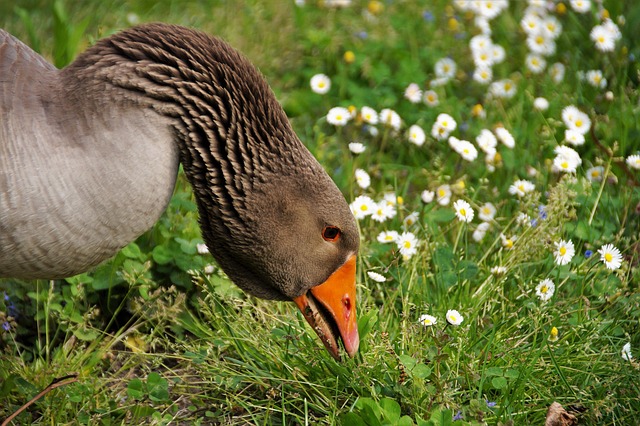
pixel 159 335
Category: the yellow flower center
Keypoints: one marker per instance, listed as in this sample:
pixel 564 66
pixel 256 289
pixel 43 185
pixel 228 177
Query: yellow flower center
pixel 441 193
pixel 407 244
pixel 579 123
pixel 508 243
pixel 608 257
pixel 463 212
pixel 563 251
pixel 339 117
pixel 564 165
pixel 544 289
pixel 595 173
pixel 554 332
pixel 388 238
pixel 364 208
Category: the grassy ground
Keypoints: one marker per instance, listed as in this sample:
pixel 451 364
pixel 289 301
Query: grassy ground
pixel 154 339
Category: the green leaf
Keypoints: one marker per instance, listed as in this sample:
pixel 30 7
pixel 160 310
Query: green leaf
pixel 443 258
pixel 467 270
pixel 494 371
pixel 421 371
pixel 162 255
pixel 135 389
pixel 499 382
pixel 132 251
pixel 157 387
pixel 405 421
pixel 390 409
pixel 448 278
pixel 86 335
pixel 441 417
pixel 511 373
pixel 351 418
pixel 408 361
pixel 442 215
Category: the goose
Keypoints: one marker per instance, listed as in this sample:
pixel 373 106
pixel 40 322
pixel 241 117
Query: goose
pixel 89 156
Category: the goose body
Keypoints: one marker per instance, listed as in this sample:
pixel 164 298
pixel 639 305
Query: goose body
pixel 89 156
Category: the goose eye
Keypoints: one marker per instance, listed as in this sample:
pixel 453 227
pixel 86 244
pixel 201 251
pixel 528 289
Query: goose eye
pixel 331 233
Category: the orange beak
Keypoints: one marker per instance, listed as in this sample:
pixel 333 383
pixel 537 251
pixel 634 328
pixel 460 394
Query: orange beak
pixel 330 309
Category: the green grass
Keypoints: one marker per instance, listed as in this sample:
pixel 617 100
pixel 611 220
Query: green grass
pixel 155 340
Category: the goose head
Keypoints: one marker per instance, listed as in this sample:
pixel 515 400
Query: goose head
pixel 271 216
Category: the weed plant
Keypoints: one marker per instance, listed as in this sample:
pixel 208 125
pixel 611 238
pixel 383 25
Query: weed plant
pixel 490 151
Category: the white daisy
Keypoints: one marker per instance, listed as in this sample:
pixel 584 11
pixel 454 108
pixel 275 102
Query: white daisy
pixel 575 119
pixel 564 252
pixel 535 63
pixel 581 6
pixel 541 44
pixel 410 220
pixel 407 244
pixel 611 256
pixel 362 178
pixel 574 137
pixel 487 212
pixel 430 98
pixel 362 206
pixel 480 231
pixel 320 84
pixel 626 352
pixel 383 211
pixel 390 118
pixel 505 137
pixel 445 68
pixel 427 320
pixel 486 141
pixel 427 196
pixel 521 187
pixel 463 211
pixel 357 147
pixel 446 121
pixel 467 150
pixel 202 248
pixel 633 161
pixel 596 79
pixel 503 89
pixel 454 317
pixel 483 57
pixel 443 194
pixel 567 159
pixel 413 93
pixel 338 116
pixel 498 53
pixel 531 23
pixel 483 74
pixel 594 174
pixel 416 135
pixel 508 242
pixel 540 104
pixel 387 237
pixel 602 38
pixel 369 115
pixel 556 71
pixel 551 26
pixel 498 270
pixel 545 289
pixel 379 278
pixel 392 199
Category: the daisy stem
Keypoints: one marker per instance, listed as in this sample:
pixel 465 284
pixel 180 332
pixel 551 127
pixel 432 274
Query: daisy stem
pixel 455 246
pixel 604 181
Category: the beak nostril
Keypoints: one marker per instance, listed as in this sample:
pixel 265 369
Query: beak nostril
pixel 346 301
